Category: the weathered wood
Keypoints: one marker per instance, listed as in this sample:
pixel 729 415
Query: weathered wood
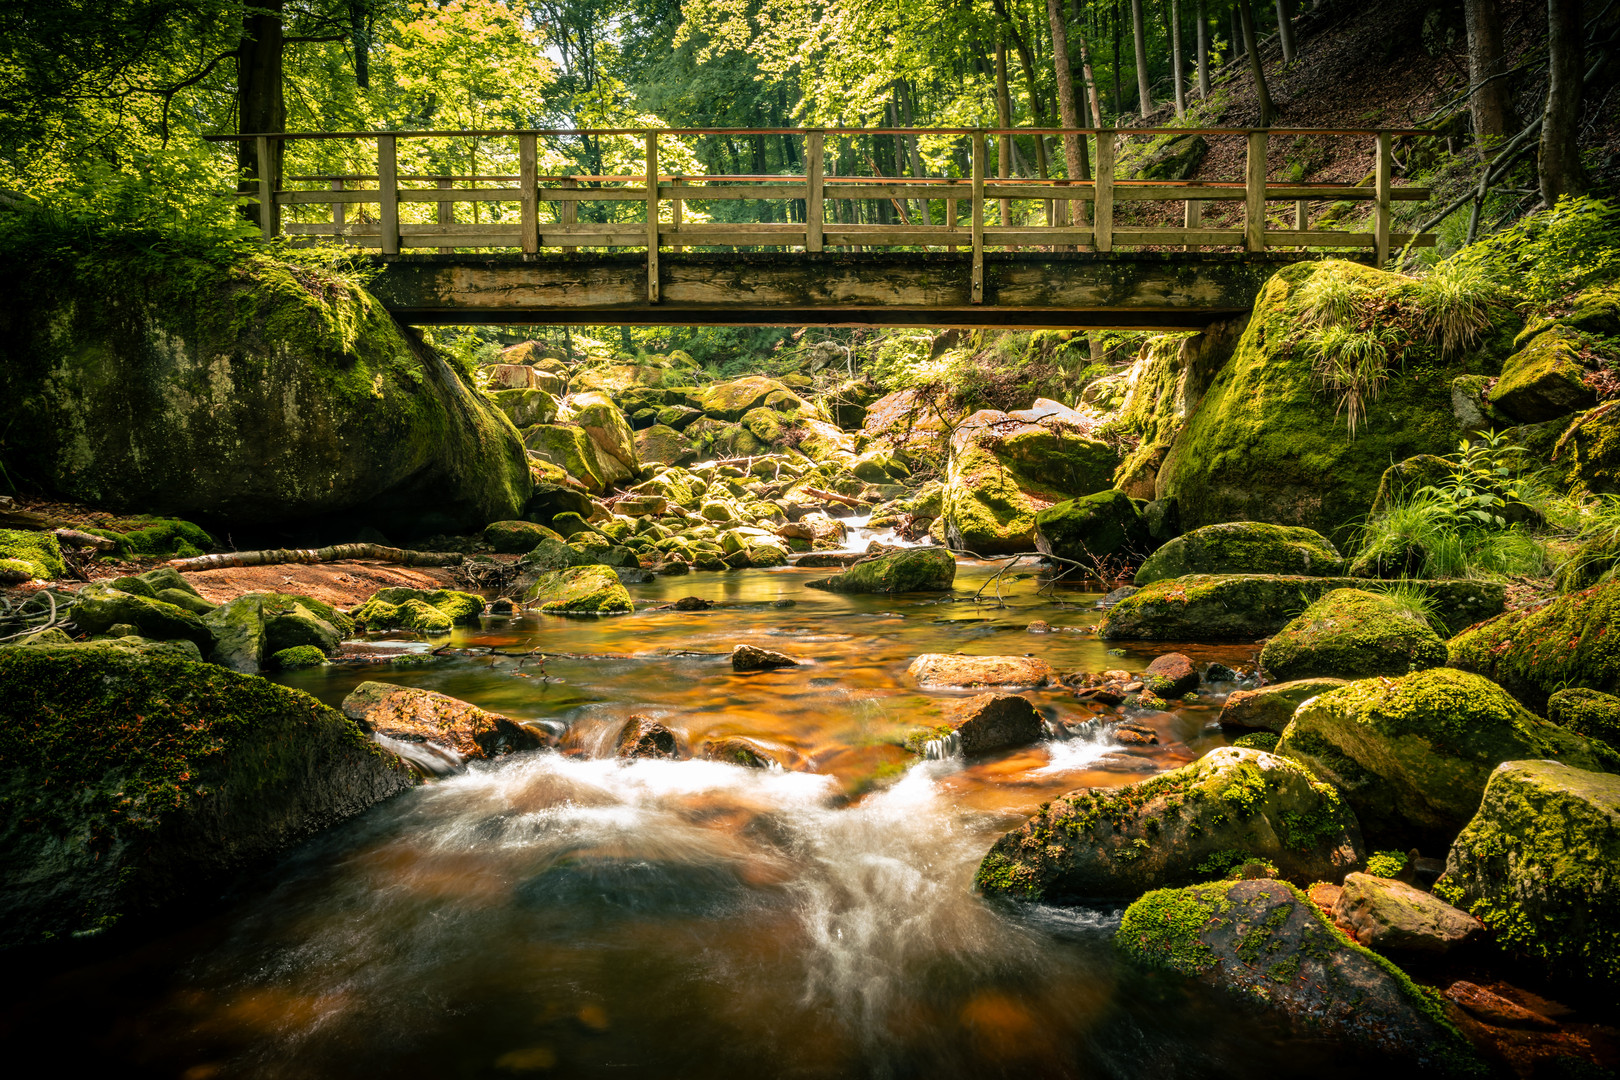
pixel 267 191
pixel 814 207
pixel 1381 170
pixel 1102 215
pixel 388 195
pixel 528 194
pixel 1254 194
pixel 978 218
pixel 568 217
pixel 336 553
pixel 339 209
pixel 1192 216
pixel 652 217
pixel 675 214
pixel 446 214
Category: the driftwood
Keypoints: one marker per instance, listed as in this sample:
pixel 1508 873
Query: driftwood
pixel 832 496
pixel 336 553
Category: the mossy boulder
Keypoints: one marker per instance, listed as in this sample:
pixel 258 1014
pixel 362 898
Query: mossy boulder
pixel 1266 444
pixel 299 656
pixel 98 608
pixel 1243 607
pixel 1570 641
pixel 130 783
pixel 516 537
pixel 1587 712
pixel 579 590
pixel 146 535
pixel 527 406
pixel 610 440
pixel 242 389
pixel 1353 634
pixel 1268 946
pixel 425 611
pixel 923 569
pixel 31 555
pixel 570 449
pixel 731 400
pixel 554 555
pixel 1271 708
pixel 1403 478
pixel 249 630
pixel 1537 863
pixel 1004 473
pixel 1544 380
pixel 1092 527
pixel 1162 389
pixel 1591 563
pixel 1190 824
pixel 1411 755
pixel 1586 457
pixel 1392 916
pixel 661 444
pixel 1243 547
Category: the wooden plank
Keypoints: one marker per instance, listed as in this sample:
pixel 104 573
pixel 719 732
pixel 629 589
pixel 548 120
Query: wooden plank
pixel 528 193
pixel 652 217
pixel 1400 240
pixel 565 193
pixel 300 198
pixel 1178 237
pixel 498 238
pixel 1192 216
pixel 569 216
pixel 1254 194
pixel 1381 173
pixel 891 235
pixel 339 210
pixel 267 192
pixel 1318 238
pixel 675 220
pixel 446 213
pixel 729 235
pixel 815 214
pixel 455 227
pixel 1103 213
pixel 630 234
pixel 388 194
pixel 704 193
pixel 1038 234
pixel 977 289
pixel 950 220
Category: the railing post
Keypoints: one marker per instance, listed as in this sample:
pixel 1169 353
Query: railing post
pixel 267 189
pixel 978 217
pixel 446 211
pixel 1003 170
pixel 387 195
pixel 528 195
pixel 1192 218
pixel 815 146
pixel 339 210
pixel 1254 194
pixel 652 217
pixel 1103 217
pixel 1381 195
pixel 950 220
pixel 569 213
pixel 676 215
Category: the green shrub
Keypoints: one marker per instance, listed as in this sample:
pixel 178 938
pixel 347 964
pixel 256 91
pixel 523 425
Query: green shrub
pixel 1386 864
pixel 1550 254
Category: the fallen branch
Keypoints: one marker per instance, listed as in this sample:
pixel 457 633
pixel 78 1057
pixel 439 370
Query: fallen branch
pixel 336 553
pixel 834 497
pixel 78 539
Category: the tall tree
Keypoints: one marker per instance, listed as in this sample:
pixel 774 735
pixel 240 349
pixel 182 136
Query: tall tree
pixel 1203 51
pixel 1489 103
pixel 261 107
pixel 1144 95
pixel 1073 148
pixel 1262 95
pixel 1285 31
pixel 1085 66
pixel 1559 161
pixel 1119 92
pixel 1175 59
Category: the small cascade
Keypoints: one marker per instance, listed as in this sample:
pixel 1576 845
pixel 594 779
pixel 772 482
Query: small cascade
pixel 1090 730
pixel 428 759
pixel 943 748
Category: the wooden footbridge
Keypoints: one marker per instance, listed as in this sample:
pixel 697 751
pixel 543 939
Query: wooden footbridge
pixel 838 244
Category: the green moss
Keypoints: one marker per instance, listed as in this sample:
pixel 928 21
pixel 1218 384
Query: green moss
pixel 996 486
pixel 1568 642
pixel 1587 712
pixel 1386 864
pixel 1091 527
pixel 1586 457
pixel 929 569
pixel 1352 634
pixel 1243 547
pixel 1162 928
pixel 299 656
pixel 35 554
pixel 1002 876
pixel 417 609
pixel 1258 740
pixel 1544 379
pixel 580 590
pixel 150 536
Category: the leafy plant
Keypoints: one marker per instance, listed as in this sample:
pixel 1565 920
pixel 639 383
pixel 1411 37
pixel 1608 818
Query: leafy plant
pixel 1548 255
pixel 1386 864
pixel 1353 362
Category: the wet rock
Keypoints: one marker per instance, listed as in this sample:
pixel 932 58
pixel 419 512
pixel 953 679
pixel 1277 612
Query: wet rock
pixel 1220 673
pixel 1093 527
pixel 738 750
pixel 1171 675
pixel 826 559
pixel 97 608
pixel 1353 634
pixel 935 671
pixel 551 553
pixel 925 569
pixel 1392 916
pixel 413 715
pixel 1536 864
pixel 692 603
pixel 1269 946
pixel 992 722
pixel 1187 825
pixel 30 556
pixel 516 537
pixel 1243 547
pixel 425 611
pixel 1134 734
pixel 502 605
pixel 1494 1009
pixel 1412 755
pixel 247 769
pixel 752 658
pixel 1510 649
pixel 253 627
pixel 644 737
pixel 1039 626
pixel 628 575
pixel 1271 708
pixel 579 590
pixel 1117 595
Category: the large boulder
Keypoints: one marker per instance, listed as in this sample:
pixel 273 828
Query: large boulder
pixel 580 590
pixel 1092 528
pixel 1537 866
pixel 1353 634
pixel 984 724
pixel 1191 824
pixel 1005 470
pixel 1392 916
pixel 1411 755
pixel 526 407
pixel 664 445
pixel 413 715
pixel 1271 708
pixel 1267 444
pixel 1544 380
pixel 130 783
pixel 1163 388
pixel 252 628
pixel 1570 641
pixel 247 390
pixel 729 401
pixel 1587 712
pixel 1586 457
pixel 923 569
pixel 1269 946
pixel 1243 547
pixel 957 671
pixel 98 608
pixel 611 442
pixel 1243 607
pixel 570 449
pixel 27 556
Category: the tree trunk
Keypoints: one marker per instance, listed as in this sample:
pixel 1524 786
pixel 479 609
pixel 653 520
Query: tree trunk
pixel 1073 146
pixel 1262 95
pixel 1003 120
pixel 1175 59
pixel 1091 80
pixel 1560 163
pixel 1490 103
pixel 360 39
pixel 1285 31
pixel 1203 51
pixel 260 107
pixel 1237 32
pixel 1144 94
pixel 1119 91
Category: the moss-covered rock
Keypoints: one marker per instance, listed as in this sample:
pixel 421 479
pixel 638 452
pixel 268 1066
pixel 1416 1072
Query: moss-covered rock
pixel 1271 708
pixel 1353 634
pixel 1411 755
pixel 527 406
pixel 610 440
pixel 416 715
pixel 249 630
pixel 128 783
pixel 1093 527
pixel 145 535
pixel 1191 824
pixel 1243 547
pixel 1544 379
pixel 1002 475
pixel 1266 444
pixel 517 537
pixel 244 389
pixel 1162 389
pixel 1268 945
pixel 1591 563
pixel 1242 607
pixel 1537 866
pixel 570 449
pixel 34 554
pixel 731 400
pixel 1570 641
pixel 1405 477
pixel 426 612
pixel 1392 916
pixel 1586 457
pixel 579 590
pixel 1587 712
pixel 299 656
pixel 922 569
pixel 98 608
pixel 661 444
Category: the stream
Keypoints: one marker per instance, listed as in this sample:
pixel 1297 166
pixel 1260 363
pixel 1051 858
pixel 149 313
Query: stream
pixel 565 913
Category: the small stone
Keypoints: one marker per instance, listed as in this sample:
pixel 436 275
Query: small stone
pixel 1039 627
pixel 1171 675
pixel 784 603
pixel 752 658
pixel 1392 916
pixel 1132 735
pixel 692 603
pixel 644 737
pixel 738 750
pixel 1219 673
pixel 502 605
pixel 1495 1009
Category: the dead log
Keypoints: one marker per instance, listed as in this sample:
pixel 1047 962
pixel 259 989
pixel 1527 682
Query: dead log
pixel 79 539
pixel 335 553
pixel 832 496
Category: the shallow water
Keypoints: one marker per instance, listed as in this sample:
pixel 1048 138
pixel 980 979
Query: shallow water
pixel 568 914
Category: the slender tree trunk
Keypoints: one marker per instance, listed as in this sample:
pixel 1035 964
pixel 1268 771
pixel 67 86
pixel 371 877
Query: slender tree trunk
pixel 1559 162
pixel 260 107
pixel 1026 61
pixel 1237 32
pixel 1074 152
pixel 1175 59
pixel 1203 51
pixel 1285 31
pixel 360 40
pixel 1262 95
pixel 1003 120
pixel 1490 104
pixel 1119 91
pixel 1091 80
pixel 1144 95
pixel 912 147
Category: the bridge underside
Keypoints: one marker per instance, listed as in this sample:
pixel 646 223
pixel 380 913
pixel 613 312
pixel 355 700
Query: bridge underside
pixel 1132 290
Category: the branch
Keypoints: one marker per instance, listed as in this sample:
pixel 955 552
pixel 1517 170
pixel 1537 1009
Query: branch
pixel 336 553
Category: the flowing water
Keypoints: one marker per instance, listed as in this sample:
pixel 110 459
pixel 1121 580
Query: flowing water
pixel 564 913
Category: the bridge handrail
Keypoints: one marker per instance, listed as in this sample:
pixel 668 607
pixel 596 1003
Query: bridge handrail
pixel 1078 212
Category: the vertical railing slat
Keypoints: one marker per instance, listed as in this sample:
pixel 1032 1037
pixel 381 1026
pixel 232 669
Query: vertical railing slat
pixel 814 214
pixel 652 217
pixel 388 195
pixel 267 188
pixel 446 212
pixel 529 195
pixel 1103 194
pixel 1254 193
pixel 339 210
pixel 978 217
pixel 1381 195
pixel 569 212
pixel 1192 217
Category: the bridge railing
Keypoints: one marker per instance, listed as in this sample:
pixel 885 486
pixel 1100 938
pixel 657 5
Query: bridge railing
pixel 533 213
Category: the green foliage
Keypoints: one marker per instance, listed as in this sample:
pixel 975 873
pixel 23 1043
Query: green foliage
pixel 1550 254
pixel 1456 299
pixel 1386 864
pixel 1353 363
pixel 1597 555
